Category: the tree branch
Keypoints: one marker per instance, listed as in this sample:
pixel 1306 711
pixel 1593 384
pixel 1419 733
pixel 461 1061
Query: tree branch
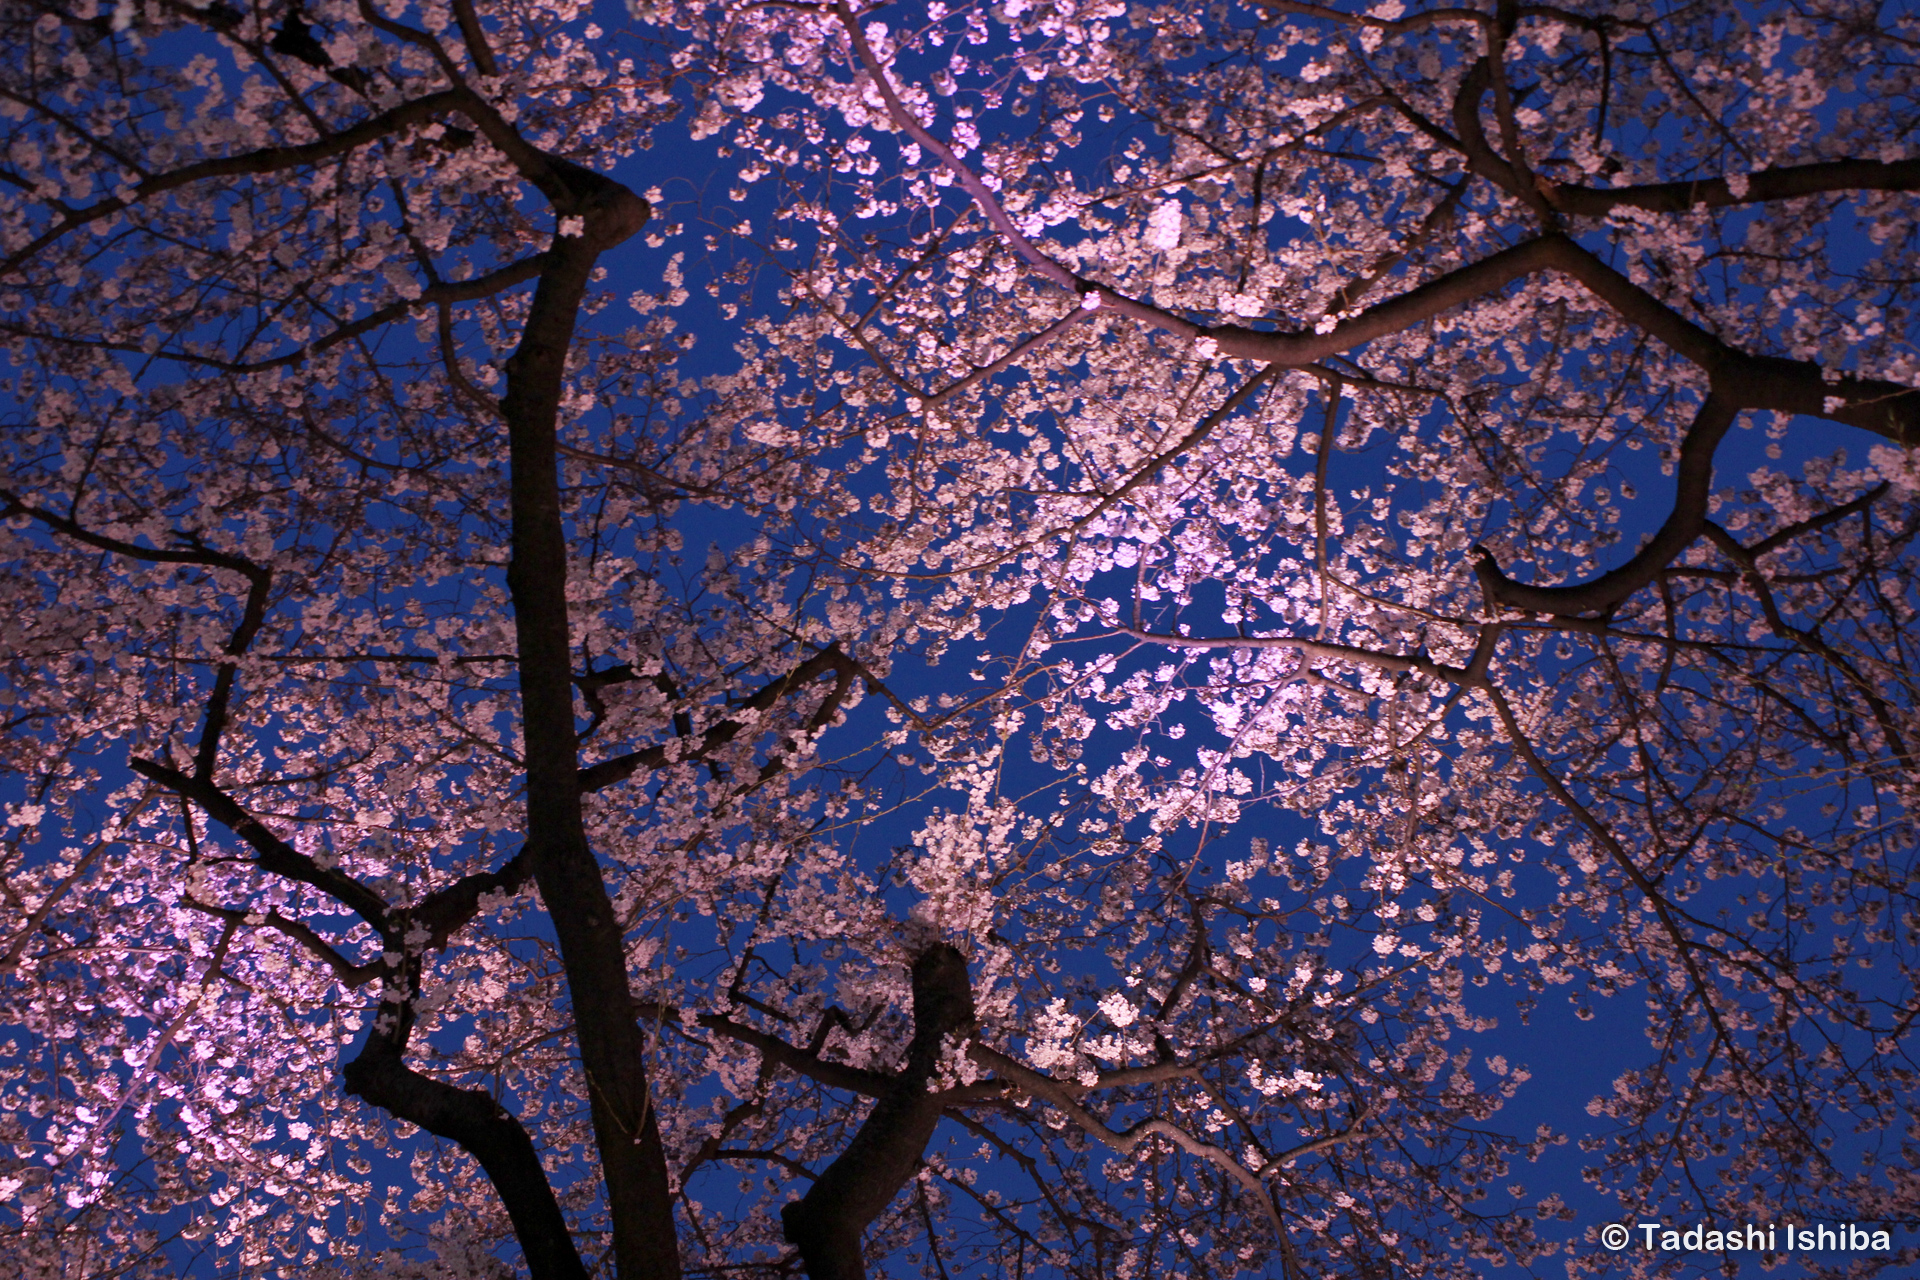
pixel 835 1075
pixel 1774 541
pixel 484 286
pixel 272 854
pixel 1811 640
pixel 1751 382
pixel 618 769
pixel 345 971
pixel 1125 1140
pixel 445 912
pixel 1783 182
pixel 1307 648
pixel 265 160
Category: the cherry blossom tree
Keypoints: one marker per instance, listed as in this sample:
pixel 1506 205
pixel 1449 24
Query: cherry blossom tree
pixel 1255 401
pixel 1302 367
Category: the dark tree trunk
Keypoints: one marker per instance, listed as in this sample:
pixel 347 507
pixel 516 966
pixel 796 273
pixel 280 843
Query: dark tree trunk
pixel 592 948
pixel 826 1224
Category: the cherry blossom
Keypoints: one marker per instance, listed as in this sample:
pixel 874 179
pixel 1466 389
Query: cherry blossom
pixel 1224 548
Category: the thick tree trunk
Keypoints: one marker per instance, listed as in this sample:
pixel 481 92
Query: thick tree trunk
pixel 826 1224
pixel 592 948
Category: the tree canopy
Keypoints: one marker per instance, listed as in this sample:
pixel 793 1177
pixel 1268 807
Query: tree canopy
pixel 1027 694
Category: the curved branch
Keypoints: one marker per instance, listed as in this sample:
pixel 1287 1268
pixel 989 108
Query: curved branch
pixel 199 554
pixel 970 181
pixel 264 160
pixel 444 912
pixel 1683 526
pixel 485 1130
pixel 1887 409
pixel 1510 172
